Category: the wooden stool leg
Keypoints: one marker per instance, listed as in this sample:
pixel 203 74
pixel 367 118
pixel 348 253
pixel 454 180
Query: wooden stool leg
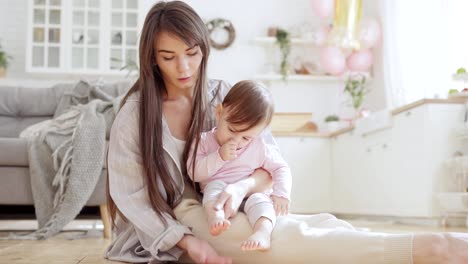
pixel 106 221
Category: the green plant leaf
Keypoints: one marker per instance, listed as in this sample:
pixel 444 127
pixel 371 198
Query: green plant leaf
pixel 282 39
pixel 356 88
pixel 5 58
pixel 332 118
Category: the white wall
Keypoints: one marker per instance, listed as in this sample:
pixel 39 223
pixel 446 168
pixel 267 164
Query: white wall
pixel 240 61
pixel 244 58
pixel 376 99
pixel 251 19
pixel 13 23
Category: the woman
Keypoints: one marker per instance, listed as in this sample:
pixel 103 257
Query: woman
pixel 154 206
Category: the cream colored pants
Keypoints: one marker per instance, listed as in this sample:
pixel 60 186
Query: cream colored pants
pixel 319 238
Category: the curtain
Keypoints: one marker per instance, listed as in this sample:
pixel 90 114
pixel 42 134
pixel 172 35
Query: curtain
pixel 425 42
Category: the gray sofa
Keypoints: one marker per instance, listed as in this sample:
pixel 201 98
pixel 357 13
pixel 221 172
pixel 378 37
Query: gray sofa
pixel 21 107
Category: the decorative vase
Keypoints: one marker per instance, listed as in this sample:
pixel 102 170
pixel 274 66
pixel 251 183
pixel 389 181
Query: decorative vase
pixel 333 126
pixel 2 72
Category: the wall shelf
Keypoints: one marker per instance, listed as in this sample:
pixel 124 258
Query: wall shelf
pixel 307 77
pixel 460 77
pixel 272 40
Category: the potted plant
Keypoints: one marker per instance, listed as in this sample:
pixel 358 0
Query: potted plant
pixel 129 65
pixel 282 39
pixel 332 122
pixel 4 62
pixel 356 88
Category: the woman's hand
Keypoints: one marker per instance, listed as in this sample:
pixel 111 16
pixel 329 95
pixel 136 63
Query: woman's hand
pixel 280 204
pixel 233 195
pixel 202 252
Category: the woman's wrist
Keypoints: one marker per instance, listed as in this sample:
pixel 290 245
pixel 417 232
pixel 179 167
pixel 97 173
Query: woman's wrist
pixel 186 239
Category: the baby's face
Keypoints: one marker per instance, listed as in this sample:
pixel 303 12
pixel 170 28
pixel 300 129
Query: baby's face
pixel 226 132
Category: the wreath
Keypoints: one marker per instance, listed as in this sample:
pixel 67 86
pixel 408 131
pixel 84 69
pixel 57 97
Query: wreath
pixel 224 25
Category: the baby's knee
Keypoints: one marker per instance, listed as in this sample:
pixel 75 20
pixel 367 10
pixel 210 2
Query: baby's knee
pixel 212 191
pixel 218 185
pixel 256 199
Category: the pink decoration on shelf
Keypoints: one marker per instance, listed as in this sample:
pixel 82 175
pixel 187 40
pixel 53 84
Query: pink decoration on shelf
pixel 370 33
pixel 332 60
pixel 360 60
pixel 321 34
pixel 323 8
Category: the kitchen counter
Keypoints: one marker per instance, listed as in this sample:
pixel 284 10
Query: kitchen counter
pixel 301 134
pixel 396 111
pixel 406 108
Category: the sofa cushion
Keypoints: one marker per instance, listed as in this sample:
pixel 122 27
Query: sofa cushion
pixel 24 101
pixel 21 107
pixel 13 152
pixel 12 126
pixel 15 187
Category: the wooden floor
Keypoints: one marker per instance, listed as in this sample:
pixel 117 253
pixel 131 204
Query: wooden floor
pixel 61 249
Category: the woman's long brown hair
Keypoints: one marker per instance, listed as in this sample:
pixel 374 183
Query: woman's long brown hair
pixel 181 21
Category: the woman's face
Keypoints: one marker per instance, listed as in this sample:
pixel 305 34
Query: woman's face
pixel 178 63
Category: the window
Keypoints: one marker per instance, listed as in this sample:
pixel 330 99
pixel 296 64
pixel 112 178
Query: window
pixel 46 34
pixel 425 45
pixel 82 36
pixel 123 33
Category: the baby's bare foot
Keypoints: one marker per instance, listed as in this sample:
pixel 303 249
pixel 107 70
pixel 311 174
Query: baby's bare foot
pixel 260 240
pixel 217 226
pixel 217 222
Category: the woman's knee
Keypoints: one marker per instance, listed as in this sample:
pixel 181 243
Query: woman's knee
pixel 330 221
pixel 327 216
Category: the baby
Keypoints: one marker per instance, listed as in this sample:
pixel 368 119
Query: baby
pixel 232 151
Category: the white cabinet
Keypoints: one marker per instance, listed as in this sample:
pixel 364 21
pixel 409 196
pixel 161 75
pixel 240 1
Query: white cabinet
pixel 425 139
pixel 396 171
pixel 411 176
pixel 309 160
pixel 346 182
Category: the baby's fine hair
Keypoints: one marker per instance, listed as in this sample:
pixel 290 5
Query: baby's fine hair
pixel 248 103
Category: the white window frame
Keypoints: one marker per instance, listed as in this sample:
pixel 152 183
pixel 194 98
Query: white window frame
pixel 65 44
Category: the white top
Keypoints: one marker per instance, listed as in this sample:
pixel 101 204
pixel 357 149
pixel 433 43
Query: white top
pixel 180 145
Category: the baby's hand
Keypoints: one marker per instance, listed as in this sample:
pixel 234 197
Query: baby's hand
pixel 281 205
pixel 228 150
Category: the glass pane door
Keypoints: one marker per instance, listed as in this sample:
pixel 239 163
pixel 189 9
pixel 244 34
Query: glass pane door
pixel 123 33
pixel 46 33
pixel 85 39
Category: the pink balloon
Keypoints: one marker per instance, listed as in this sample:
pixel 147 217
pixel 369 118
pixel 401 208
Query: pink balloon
pixel 332 60
pixel 370 33
pixel 321 34
pixel 360 61
pixel 323 8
